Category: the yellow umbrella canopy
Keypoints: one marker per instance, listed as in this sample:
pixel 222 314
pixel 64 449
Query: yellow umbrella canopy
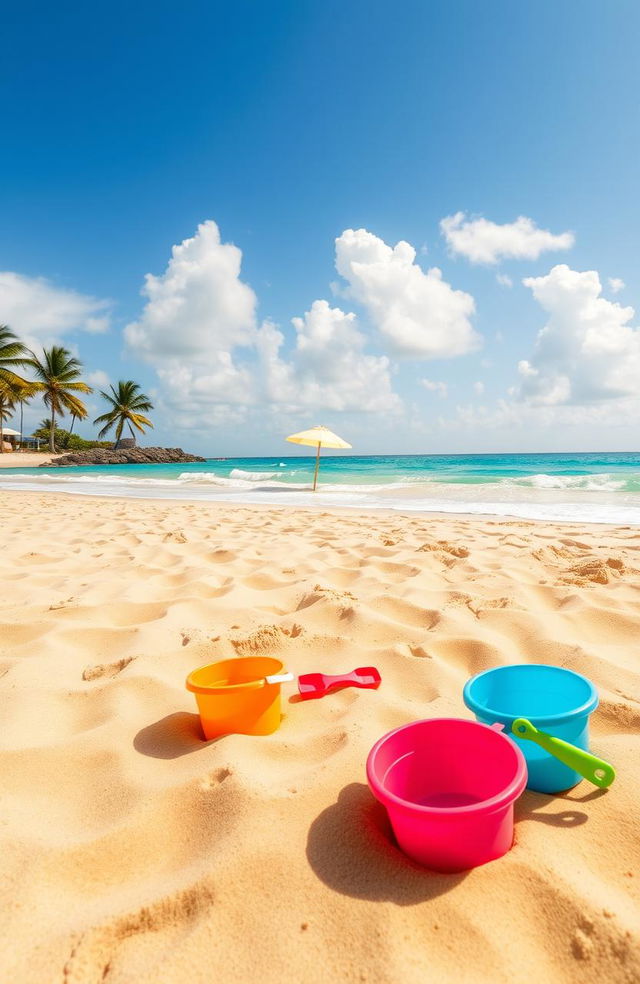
pixel 318 437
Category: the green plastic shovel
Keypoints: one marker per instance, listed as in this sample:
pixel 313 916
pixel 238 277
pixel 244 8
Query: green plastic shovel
pixel 596 770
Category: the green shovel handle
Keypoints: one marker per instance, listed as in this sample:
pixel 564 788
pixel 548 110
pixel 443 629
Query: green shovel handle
pixel 595 769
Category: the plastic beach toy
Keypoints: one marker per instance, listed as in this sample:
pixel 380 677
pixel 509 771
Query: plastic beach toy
pixel 596 770
pixel 239 695
pixel 556 700
pixel 319 684
pixel 449 787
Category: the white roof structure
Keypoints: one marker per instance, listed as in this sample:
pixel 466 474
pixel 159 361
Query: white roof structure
pixel 10 433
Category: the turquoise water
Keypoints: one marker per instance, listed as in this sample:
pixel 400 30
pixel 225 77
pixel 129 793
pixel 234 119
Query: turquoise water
pixel 593 487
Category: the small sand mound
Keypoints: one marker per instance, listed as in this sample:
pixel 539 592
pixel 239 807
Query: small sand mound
pixel 592 571
pixel 616 564
pixel 264 640
pixel 552 553
pixel 443 546
pixel 342 599
pixel 107 670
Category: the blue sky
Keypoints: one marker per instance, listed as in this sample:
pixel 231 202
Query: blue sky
pixel 127 129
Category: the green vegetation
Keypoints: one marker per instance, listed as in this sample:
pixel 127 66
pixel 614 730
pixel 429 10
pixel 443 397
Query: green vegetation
pixel 127 407
pixel 13 387
pixel 64 440
pixel 57 379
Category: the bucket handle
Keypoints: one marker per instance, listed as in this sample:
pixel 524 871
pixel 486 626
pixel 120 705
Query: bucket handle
pixel 269 680
pixel 595 769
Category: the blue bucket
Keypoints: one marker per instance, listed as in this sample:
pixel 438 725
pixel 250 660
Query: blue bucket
pixel 555 700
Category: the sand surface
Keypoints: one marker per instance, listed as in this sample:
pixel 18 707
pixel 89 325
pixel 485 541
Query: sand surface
pixel 25 459
pixel 133 851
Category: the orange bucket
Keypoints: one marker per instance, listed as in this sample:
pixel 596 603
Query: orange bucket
pixel 234 698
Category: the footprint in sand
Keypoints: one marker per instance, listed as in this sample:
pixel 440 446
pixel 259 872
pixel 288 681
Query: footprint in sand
pixel 266 639
pixel 107 670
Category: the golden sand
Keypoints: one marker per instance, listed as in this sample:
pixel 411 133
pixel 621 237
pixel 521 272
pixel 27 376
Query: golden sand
pixel 25 459
pixel 132 851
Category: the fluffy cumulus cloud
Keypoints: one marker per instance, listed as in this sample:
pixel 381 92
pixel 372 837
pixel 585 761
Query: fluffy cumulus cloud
pixel 198 329
pixel 587 351
pixel 328 367
pixel 482 241
pixel 42 313
pixel 616 285
pixel 197 313
pixel 198 306
pixel 417 313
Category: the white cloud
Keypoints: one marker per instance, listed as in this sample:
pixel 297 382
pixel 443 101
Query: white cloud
pixel 98 379
pixel 197 312
pixel 41 313
pixel 482 241
pixel 587 351
pixel 198 306
pixel 198 330
pixel 504 279
pixel 418 314
pixel 328 368
pixel 478 387
pixel 616 285
pixel 435 386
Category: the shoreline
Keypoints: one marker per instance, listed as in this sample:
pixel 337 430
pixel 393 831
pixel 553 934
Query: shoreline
pixel 322 509
pixel 456 510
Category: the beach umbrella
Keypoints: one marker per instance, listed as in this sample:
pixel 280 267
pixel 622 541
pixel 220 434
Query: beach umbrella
pixel 318 437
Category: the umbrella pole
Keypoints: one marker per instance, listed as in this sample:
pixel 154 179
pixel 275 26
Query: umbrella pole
pixel 315 475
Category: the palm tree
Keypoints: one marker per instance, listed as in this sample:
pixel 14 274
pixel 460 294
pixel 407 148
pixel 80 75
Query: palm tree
pixel 77 416
pixel 57 379
pixel 12 353
pixel 7 406
pixel 127 406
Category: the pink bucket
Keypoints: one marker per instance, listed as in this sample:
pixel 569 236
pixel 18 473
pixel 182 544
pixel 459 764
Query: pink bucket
pixel 449 786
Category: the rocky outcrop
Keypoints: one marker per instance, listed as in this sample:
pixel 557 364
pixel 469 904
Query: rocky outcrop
pixel 123 456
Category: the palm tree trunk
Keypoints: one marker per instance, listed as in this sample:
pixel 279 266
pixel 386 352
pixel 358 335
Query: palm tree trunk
pixel 132 435
pixel 118 434
pixel 52 432
pixel 73 420
pixel 1 436
pixel 22 425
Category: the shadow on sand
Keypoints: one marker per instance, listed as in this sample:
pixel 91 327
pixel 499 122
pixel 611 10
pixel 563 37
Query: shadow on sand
pixel 172 736
pixel 527 807
pixel 351 849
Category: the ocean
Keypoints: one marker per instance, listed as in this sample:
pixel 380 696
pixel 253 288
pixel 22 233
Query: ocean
pixel 588 488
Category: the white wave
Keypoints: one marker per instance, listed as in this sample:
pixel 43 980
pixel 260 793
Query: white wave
pixel 558 512
pixel 533 503
pixel 71 476
pixel 590 483
pixel 210 478
pixel 282 464
pixel 252 476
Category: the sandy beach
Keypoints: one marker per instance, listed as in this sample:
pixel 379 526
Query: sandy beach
pixel 133 851
pixel 25 459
